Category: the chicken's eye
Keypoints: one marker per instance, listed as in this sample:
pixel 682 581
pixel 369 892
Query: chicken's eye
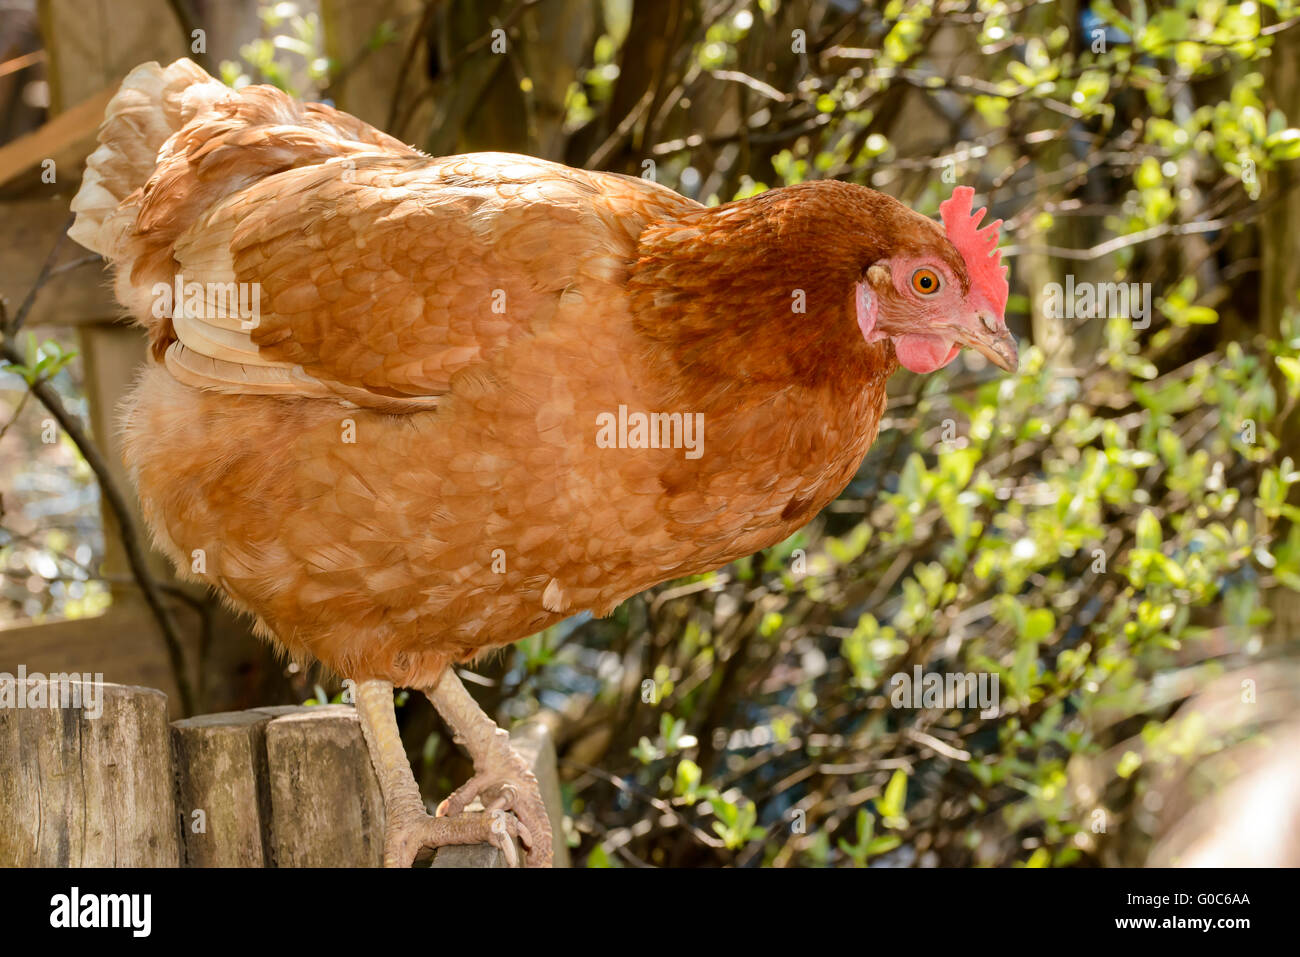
pixel 926 282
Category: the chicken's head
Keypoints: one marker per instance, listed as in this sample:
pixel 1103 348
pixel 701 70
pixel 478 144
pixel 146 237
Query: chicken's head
pixel 933 298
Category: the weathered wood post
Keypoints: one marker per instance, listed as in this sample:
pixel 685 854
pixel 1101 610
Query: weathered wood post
pixel 223 789
pixel 86 777
pixel 326 807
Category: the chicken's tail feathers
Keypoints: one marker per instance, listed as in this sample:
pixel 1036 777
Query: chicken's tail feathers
pixel 152 103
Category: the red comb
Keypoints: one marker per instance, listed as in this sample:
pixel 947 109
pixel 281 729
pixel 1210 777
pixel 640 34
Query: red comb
pixel 979 247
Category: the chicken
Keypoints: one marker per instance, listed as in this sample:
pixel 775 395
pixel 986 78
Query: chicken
pixel 406 410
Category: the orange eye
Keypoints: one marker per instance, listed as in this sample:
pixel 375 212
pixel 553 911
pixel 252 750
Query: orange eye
pixel 926 282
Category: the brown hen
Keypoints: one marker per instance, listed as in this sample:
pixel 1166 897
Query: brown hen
pixel 464 398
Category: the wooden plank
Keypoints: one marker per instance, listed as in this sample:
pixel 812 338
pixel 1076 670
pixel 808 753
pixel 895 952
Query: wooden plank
pixel 124 643
pixel 87 786
pixel 223 789
pixel 326 806
pixel 29 229
pixel 72 130
pixel 134 656
pixel 533 742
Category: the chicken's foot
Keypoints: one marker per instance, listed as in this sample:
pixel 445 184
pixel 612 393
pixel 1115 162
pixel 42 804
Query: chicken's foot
pixel 408 827
pixel 502 780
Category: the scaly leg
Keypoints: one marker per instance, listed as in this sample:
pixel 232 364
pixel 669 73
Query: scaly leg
pixel 501 778
pixel 408 828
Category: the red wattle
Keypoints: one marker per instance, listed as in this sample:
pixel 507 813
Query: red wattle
pixel 919 353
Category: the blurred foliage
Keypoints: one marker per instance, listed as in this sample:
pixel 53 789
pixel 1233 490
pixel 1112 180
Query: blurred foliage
pixel 289 54
pixel 51 542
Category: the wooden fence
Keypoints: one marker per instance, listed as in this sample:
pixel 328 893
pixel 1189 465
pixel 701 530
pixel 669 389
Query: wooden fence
pixel 93 775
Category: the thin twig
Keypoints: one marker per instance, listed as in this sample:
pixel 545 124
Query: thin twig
pixel 47 269
pixel 408 57
pixel 130 536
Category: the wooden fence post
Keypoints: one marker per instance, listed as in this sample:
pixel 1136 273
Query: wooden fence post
pixel 223 789
pixel 87 783
pixel 326 807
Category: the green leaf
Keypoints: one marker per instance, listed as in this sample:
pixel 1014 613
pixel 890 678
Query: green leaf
pixel 1290 367
pixel 688 780
pixel 891 804
pixel 1039 623
pixel 1284 145
pixel 1129 763
pixel 1148 531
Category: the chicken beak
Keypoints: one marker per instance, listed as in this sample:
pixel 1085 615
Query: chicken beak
pixel 996 344
pixel 1001 351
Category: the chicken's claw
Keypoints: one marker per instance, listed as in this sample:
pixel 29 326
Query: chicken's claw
pixel 502 837
pixel 514 789
pixel 405 841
